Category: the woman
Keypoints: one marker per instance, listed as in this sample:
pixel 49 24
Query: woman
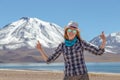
pixel 72 50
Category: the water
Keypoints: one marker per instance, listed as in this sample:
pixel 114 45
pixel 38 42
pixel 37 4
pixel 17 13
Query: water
pixel 92 67
pixel 104 67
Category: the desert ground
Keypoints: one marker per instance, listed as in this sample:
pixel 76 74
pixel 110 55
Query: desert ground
pixel 49 75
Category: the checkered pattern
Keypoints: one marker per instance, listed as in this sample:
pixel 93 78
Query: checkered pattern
pixel 74 57
pixel 79 77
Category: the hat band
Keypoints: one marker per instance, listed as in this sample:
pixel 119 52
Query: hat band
pixel 72 26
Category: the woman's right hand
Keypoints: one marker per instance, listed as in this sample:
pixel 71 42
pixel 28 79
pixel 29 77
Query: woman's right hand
pixel 38 46
pixel 42 52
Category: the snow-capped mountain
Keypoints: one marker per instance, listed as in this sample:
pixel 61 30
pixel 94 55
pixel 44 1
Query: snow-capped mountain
pixel 27 31
pixel 112 44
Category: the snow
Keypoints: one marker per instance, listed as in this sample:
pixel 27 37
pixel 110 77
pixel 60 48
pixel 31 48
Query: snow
pixel 27 31
pixel 109 51
pixel 112 43
pixel 109 46
pixel 113 34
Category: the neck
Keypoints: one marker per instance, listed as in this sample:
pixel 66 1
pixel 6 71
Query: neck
pixel 70 42
pixel 72 38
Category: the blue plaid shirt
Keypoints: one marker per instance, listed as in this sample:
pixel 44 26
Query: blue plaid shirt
pixel 74 57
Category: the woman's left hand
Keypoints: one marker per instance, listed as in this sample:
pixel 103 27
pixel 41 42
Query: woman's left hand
pixel 102 36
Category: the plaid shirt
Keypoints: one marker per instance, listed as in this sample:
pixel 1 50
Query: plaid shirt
pixel 74 57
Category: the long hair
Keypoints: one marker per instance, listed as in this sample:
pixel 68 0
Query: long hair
pixel 77 35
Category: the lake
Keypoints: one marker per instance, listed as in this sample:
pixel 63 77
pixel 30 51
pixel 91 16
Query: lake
pixel 107 67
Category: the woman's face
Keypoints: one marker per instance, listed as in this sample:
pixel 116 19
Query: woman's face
pixel 71 33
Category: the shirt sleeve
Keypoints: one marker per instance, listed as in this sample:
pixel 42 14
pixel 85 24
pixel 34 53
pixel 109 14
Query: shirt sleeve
pixel 56 54
pixel 93 49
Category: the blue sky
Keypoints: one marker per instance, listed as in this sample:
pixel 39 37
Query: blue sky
pixel 93 16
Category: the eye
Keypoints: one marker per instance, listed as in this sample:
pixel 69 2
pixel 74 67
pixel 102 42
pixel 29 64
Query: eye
pixel 69 30
pixel 74 31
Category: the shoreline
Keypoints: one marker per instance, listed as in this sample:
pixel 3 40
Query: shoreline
pixel 57 71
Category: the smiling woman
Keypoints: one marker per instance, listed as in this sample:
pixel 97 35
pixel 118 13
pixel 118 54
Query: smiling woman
pixel 72 49
pixel 71 31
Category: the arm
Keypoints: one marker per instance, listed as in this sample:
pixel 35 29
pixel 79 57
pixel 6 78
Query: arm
pixel 53 57
pixel 93 49
pixel 103 40
pixel 42 52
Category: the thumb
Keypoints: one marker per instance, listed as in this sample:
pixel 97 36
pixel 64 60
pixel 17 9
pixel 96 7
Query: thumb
pixel 102 32
pixel 38 41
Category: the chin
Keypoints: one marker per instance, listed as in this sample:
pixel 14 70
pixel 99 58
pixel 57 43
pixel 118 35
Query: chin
pixel 71 38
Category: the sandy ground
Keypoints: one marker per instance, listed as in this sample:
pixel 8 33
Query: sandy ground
pixel 48 75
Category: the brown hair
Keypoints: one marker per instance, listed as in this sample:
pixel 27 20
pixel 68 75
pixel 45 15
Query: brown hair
pixel 77 35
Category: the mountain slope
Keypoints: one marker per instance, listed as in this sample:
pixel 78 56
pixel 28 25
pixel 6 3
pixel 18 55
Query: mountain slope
pixel 26 31
pixel 112 44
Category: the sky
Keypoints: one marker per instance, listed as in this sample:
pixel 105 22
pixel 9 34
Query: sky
pixel 93 16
